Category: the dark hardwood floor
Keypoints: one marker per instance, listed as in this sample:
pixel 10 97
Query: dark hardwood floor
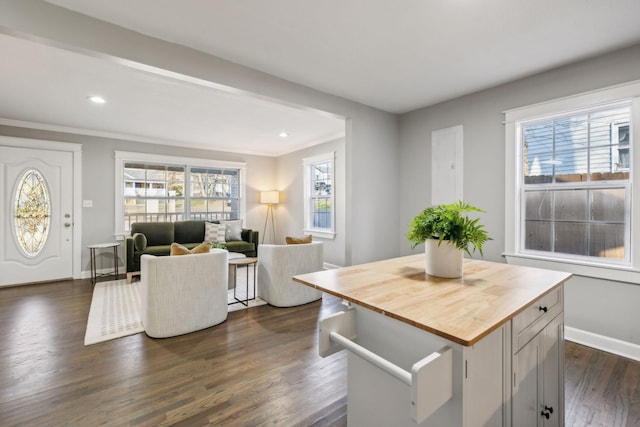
pixel 601 389
pixel 260 367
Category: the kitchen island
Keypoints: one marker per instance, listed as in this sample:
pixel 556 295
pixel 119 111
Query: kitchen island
pixel 482 350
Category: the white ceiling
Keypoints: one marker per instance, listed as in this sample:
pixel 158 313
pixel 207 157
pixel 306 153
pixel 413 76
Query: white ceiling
pixel 48 88
pixel 396 56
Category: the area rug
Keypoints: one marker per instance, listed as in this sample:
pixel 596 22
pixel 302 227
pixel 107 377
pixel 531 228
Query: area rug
pixel 114 312
pixel 115 309
pixel 241 292
pixel 235 305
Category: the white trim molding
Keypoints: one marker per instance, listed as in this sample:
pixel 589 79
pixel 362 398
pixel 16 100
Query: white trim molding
pixel 627 272
pixel 604 343
pixel 307 162
pixel 598 271
pixel 328 266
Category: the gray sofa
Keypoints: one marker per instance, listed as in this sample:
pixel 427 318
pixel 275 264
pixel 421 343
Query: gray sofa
pixel 155 238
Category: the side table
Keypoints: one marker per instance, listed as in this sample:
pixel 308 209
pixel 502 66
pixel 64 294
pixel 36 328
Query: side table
pixel 232 269
pixel 92 256
pixel 243 262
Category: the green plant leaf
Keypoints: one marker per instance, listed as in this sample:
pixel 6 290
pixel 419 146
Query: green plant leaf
pixel 449 222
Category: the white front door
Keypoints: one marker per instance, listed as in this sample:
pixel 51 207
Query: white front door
pixel 36 215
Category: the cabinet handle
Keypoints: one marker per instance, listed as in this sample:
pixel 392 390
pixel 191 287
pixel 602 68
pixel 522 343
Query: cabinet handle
pixel 549 408
pixel 543 308
pixel 545 414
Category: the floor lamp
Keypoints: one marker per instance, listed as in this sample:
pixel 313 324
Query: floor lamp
pixel 271 198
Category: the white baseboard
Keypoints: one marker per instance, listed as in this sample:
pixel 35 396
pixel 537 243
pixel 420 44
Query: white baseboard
pixel 601 342
pixel 328 266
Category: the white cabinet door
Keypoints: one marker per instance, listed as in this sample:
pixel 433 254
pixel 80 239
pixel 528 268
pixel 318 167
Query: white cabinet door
pixel 539 379
pixel 526 391
pixel 552 410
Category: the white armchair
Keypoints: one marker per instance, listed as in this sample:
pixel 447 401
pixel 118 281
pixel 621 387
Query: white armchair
pixel 181 294
pixel 277 264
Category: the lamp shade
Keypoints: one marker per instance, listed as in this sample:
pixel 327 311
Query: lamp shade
pixel 270 197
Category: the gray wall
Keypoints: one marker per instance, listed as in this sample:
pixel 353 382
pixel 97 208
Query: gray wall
pixel 484 174
pixel 290 216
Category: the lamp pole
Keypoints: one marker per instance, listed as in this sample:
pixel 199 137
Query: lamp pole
pixel 270 198
pixel 266 220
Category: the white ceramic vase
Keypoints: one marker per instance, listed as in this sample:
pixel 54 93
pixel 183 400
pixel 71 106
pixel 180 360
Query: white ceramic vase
pixel 444 260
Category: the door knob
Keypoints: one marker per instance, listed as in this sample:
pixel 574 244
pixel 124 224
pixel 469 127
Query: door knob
pixel 67 224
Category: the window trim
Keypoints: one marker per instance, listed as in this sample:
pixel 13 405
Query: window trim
pixel 307 162
pixel 566 186
pixel 628 92
pixel 121 157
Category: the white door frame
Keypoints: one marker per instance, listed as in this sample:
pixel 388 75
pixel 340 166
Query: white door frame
pixel 76 150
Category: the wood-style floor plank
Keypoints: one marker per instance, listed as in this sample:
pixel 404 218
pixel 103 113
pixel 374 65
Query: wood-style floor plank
pixel 260 367
pixel 601 389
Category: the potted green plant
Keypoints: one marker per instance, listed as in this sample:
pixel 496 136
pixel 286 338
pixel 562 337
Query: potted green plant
pixel 447 231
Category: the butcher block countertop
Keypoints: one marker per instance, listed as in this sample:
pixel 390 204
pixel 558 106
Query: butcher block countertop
pixel 460 310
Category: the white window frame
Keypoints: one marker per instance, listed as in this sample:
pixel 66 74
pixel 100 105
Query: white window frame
pixel 614 270
pixel 556 188
pixel 122 157
pixel 308 163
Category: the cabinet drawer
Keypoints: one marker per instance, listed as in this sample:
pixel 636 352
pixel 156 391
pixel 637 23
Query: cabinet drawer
pixel 535 317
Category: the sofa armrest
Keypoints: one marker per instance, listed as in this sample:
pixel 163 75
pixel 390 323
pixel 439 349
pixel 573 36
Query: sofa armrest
pixel 251 236
pixel 128 254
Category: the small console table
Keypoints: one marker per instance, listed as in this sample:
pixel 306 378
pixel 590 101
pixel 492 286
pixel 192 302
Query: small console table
pixel 92 256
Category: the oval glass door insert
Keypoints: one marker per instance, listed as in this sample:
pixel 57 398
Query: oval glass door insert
pixel 32 209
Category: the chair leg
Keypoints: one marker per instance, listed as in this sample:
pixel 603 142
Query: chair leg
pixel 131 274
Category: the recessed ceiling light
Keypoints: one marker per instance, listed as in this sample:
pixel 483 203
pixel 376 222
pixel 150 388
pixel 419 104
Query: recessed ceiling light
pixel 97 99
pixel 283 134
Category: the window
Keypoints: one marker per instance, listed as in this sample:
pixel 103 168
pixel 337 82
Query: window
pixel 319 198
pixel 575 183
pixel 169 189
pixel 153 193
pixel 215 193
pixel 32 212
pixel 570 202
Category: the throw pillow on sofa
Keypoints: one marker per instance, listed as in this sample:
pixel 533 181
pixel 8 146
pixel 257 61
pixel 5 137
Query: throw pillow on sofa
pixel 214 233
pixel 202 248
pixel 178 249
pixel 233 229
